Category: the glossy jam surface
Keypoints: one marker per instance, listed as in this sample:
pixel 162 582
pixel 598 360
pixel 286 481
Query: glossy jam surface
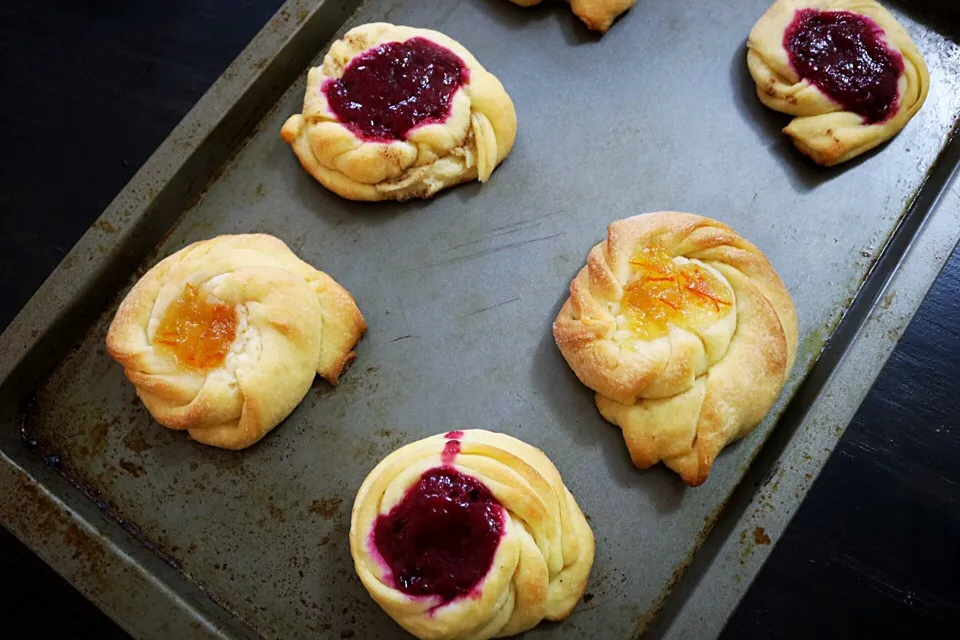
pixel 198 332
pixel 441 538
pixel 844 55
pixel 395 87
pixel 663 293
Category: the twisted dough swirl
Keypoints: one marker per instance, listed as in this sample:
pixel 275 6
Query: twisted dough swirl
pixel 682 396
pixel 476 136
pixel 291 322
pixel 540 566
pixel 822 129
pixel 598 15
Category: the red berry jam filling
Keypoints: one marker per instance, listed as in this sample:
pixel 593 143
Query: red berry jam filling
pixel 388 90
pixel 441 538
pixel 844 55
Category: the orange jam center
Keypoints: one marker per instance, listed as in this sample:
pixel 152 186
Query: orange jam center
pixel 197 331
pixel 664 294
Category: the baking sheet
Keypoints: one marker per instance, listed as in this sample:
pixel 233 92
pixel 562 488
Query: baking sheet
pixel 460 292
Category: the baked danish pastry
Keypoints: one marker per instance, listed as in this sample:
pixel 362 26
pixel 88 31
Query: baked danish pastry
pixel 471 534
pixel 845 68
pixel 224 337
pixel 686 334
pixel 598 15
pixel 397 113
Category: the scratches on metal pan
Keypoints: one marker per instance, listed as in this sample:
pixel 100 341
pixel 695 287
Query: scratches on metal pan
pixel 507 229
pixel 403 338
pixel 484 253
pixel 493 306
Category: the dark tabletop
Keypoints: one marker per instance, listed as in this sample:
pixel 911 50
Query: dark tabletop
pixel 91 88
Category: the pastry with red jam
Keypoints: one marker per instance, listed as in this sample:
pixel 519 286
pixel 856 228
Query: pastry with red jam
pixel 598 15
pixel 846 69
pixel 223 338
pixel 685 332
pixel 395 113
pixel 470 534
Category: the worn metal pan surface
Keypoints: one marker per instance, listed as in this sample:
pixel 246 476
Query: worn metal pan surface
pixel 459 293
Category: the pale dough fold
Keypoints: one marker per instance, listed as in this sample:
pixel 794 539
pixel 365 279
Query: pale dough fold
pixel 540 567
pixel 598 15
pixel 293 322
pixel 683 397
pixel 468 145
pixel 822 130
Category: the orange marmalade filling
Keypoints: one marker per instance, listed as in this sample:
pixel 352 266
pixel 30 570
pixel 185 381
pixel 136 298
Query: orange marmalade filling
pixel 198 332
pixel 664 294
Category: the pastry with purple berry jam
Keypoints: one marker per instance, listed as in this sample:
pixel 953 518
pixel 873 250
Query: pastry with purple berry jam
pixel 845 68
pixel 598 15
pixel 395 113
pixel 470 534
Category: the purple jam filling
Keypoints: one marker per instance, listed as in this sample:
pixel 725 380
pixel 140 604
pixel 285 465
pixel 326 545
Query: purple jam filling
pixel 441 538
pixel 388 90
pixel 450 451
pixel 844 55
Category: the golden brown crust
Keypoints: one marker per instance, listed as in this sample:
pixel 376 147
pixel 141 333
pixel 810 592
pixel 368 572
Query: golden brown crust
pixel 598 15
pixel 469 145
pixel 541 565
pixel 822 130
pixel 680 398
pixel 294 322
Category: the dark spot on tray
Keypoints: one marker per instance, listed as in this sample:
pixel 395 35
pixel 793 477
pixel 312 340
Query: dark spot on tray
pixel 324 541
pixel 760 536
pixel 347 633
pixel 587 598
pixel 327 508
pixel 105 226
pixel 135 442
pixel 133 469
pixel 276 513
pixel 384 433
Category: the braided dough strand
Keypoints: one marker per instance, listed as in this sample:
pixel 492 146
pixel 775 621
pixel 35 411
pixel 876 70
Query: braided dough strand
pixel 598 15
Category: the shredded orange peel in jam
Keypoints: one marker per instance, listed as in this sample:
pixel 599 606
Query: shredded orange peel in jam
pixel 666 293
pixel 197 331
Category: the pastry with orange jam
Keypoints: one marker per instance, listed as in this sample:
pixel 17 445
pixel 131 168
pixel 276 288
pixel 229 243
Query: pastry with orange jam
pixel 223 338
pixel 686 334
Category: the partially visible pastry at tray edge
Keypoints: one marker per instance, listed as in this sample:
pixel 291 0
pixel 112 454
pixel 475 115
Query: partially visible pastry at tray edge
pixel 470 534
pixel 223 338
pixel 686 334
pixel 598 15
pixel 397 113
pixel 845 68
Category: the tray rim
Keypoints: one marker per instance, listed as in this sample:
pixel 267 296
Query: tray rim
pixel 939 232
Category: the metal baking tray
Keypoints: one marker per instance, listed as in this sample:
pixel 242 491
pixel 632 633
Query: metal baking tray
pixel 174 539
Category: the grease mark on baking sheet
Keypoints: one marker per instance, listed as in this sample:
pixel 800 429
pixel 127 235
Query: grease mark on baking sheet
pixel 404 338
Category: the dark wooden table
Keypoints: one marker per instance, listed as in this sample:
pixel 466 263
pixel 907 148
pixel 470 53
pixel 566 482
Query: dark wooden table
pixel 91 88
